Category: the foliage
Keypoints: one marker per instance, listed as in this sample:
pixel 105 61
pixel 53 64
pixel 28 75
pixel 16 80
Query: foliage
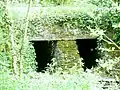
pixel 6 22
pixel 44 81
pixel 109 21
pixel 4 36
pixel 102 3
pixel 33 80
pixel 109 67
pixel 27 52
pixel 54 2
pixel 29 63
pixel 41 2
pixel 61 21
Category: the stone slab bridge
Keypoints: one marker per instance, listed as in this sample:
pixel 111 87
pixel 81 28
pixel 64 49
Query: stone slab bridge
pixel 45 49
pixel 44 45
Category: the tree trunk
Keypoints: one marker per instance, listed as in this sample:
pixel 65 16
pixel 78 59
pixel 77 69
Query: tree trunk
pixel 24 40
pixel 14 55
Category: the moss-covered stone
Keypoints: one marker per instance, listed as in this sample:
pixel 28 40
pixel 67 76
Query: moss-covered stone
pixel 60 21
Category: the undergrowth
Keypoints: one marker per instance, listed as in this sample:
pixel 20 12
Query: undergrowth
pixel 45 81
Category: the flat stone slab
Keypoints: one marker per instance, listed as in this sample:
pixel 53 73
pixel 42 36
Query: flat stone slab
pixel 62 38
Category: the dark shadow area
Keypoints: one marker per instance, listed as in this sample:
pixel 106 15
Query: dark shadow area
pixel 89 53
pixel 44 53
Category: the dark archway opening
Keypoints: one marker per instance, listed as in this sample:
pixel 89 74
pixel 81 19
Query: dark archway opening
pixel 88 51
pixel 44 53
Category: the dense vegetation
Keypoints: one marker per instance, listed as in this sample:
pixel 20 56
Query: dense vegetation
pixel 59 18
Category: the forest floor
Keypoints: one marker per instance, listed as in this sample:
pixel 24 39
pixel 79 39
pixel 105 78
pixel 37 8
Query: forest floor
pixel 83 81
pixel 57 81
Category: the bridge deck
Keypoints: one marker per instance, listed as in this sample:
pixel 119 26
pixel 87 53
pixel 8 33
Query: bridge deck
pixel 62 38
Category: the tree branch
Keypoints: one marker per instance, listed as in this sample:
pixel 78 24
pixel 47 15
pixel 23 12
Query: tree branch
pixel 112 41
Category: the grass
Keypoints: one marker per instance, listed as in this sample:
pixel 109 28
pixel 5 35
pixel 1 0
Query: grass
pixel 45 81
pixel 75 79
pixel 58 81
